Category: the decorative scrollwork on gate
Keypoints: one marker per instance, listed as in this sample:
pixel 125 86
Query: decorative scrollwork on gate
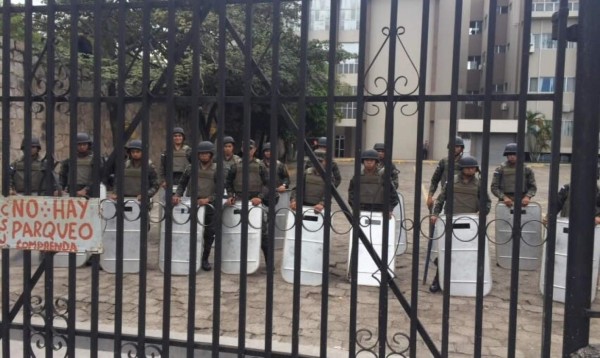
pixel 39 338
pixel 368 344
pixel 132 350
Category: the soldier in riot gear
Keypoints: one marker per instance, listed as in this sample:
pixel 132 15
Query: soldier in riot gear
pixel 131 180
pixel 181 158
pixel 467 191
pixel 229 158
pixel 38 168
pixel 380 148
pixel 335 170
pixel 504 181
pixel 441 171
pixel 207 185
pixel 314 186
pixel 84 185
pixel 372 195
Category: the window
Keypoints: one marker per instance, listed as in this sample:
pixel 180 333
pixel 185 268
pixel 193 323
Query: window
pixel 350 65
pixel 500 87
pixel 473 62
pixel 544 41
pixel 475 27
pixel 340 145
pixel 501 48
pixel 501 9
pixel 348 109
pixel 349 15
pixel 546 84
pixel 552 5
pixel 473 92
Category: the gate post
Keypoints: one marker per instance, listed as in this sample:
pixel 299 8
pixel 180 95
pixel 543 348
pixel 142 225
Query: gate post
pixel 584 160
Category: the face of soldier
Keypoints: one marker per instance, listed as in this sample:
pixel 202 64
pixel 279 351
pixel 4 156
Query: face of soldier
pixel 252 152
pixel 381 154
pixel 370 164
pixel 457 150
pixel 469 172
pixel 205 158
pixel 34 151
pixel 228 150
pixel 267 154
pixel 82 148
pixel 135 154
pixel 177 139
pixel 511 158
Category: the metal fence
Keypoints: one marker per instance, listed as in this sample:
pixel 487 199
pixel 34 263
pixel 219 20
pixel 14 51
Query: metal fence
pixel 122 60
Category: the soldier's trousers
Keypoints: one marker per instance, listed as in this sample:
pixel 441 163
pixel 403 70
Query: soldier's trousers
pixel 209 231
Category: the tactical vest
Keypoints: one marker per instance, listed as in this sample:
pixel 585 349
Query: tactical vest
pixel 465 196
pixel 206 182
pixel 234 160
pixel 254 180
pixel 132 180
pixel 444 178
pixel 508 182
pixel 84 170
pixel 314 189
pixel 37 175
pixel 180 159
pixel 371 189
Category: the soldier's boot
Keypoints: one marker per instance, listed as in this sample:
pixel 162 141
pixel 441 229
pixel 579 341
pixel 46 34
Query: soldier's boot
pixel 206 266
pixel 435 285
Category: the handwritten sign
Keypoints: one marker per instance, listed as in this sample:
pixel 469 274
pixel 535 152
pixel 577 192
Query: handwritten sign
pixel 59 224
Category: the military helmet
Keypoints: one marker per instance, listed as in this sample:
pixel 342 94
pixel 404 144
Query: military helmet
pixel 369 154
pixel 468 162
pixel 379 146
pixel 320 154
pixel 458 142
pixel 266 146
pixel 252 144
pixel 228 139
pixel 206 147
pixel 511 148
pixel 178 130
pixel 35 142
pixel 322 142
pixel 83 138
pixel 134 144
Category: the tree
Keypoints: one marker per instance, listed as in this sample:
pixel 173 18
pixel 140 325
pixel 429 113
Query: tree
pixel 539 134
pixel 262 40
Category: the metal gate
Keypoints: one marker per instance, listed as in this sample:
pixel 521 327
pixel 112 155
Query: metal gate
pixel 123 70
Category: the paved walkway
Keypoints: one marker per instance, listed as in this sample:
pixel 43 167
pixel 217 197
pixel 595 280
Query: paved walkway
pixel 462 315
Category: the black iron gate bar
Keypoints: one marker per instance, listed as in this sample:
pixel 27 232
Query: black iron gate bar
pixel 51 100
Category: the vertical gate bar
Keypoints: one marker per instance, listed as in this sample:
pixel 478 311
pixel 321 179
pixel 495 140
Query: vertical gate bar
pixel 6 169
pixel 73 114
pixel 585 142
pixel 144 207
pixel 48 259
pixel 302 85
pixel 120 171
pixel 331 86
pixel 387 185
pixel 449 208
pixel 166 220
pixel 423 58
pixel 247 104
pixel 554 175
pixel 360 105
pixel 97 118
pixel 275 110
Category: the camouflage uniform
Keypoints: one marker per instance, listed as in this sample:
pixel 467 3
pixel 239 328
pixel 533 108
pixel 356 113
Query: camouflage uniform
pixel 466 196
pixel 563 206
pixel 181 158
pixel 441 174
pixel 395 173
pixel 504 181
pixel 132 184
pixel 335 172
pixel 17 175
pixel 85 174
pixel 372 191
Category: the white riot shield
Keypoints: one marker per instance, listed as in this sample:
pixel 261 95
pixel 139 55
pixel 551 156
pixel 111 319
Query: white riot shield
pixel 463 271
pixel 372 225
pixel 131 236
pixel 560 261
pixel 232 236
pixel 400 234
pixel 530 240
pixel 61 259
pixel 180 238
pixel 161 196
pixel 282 217
pixel 311 266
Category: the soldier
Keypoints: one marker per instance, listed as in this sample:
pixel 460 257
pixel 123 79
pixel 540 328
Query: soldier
pixel 314 186
pixel 467 191
pixel 504 181
pixel 131 180
pixel 85 175
pixel 181 158
pixel 38 168
pixel 441 171
pixel 335 170
pixel 207 185
pixel 229 158
pixel 380 148
pixel 372 194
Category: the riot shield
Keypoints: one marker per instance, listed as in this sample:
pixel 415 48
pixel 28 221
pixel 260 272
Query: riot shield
pixel 530 240
pixel 131 236
pixel 232 238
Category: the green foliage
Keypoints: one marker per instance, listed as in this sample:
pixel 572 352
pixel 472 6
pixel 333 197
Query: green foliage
pixel 539 134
